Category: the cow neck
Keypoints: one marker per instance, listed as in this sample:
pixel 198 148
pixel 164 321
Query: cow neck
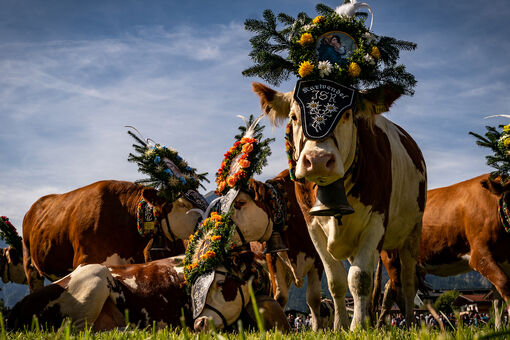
pixel 504 213
pixel 351 170
pixel 167 228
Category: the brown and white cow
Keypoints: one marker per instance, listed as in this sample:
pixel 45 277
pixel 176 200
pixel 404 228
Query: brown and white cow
pixel 301 259
pixel 385 181
pixel 154 292
pixel 96 224
pixel 11 266
pixel 462 231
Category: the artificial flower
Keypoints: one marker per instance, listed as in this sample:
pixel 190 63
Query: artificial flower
pixel 369 37
pixel 216 238
pixel 354 69
pixel 221 186
pixel 247 148
pixel 506 128
pixel 244 163
pixel 305 39
pixel 231 181
pixel 305 69
pixel 506 142
pixel 318 19
pixel 369 59
pixel 325 68
pixel 375 52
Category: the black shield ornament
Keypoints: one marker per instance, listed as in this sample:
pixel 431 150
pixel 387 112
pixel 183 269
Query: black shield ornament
pixel 199 292
pixel 322 104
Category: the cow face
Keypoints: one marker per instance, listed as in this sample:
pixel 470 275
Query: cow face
pixel 182 221
pixel 326 160
pixel 251 217
pixel 227 296
pixel 11 266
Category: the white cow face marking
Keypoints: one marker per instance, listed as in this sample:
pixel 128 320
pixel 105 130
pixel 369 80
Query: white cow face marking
pixel 251 219
pixel 224 295
pixel 182 223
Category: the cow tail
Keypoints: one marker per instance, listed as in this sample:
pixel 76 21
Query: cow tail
pixel 376 292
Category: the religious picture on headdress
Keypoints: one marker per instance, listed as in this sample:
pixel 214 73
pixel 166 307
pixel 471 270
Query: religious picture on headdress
pixel 335 47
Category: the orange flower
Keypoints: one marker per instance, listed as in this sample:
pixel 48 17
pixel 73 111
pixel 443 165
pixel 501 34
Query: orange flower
pixel 318 19
pixel 246 140
pixel 216 237
pixel 221 186
pixel 247 148
pixel 231 181
pixel 244 163
pixel 305 39
pixel 217 225
pixel 375 52
pixel 354 69
pixel 305 69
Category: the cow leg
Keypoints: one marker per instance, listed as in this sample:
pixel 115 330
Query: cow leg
pixel 34 280
pixel 482 261
pixel 313 297
pixel 282 285
pixel 407 276
pixel 335 273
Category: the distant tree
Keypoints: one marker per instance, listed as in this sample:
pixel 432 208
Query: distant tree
pixel 444 301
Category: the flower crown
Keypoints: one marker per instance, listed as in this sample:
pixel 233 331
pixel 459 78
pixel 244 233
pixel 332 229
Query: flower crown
pixel 167 171
pixel 209 247
pixel 498 140
pixel 364 60
pixel 247 156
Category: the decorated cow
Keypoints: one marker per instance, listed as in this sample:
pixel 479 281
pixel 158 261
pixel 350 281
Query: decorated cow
pixel 360 179
pixel 113 222
pixel 466 226
pixel 11 265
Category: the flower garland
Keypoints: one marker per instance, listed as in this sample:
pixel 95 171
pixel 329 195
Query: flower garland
pixel 147 219
pixel 9 234
pixel 242 153
pixel 371 63
pixel 167 171
pixel 209 247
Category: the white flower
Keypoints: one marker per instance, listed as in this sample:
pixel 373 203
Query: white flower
pixel 307 27
pixel 369 59
pixel 369 37
pixel 313 106
pixel 325 68
pixel 329 108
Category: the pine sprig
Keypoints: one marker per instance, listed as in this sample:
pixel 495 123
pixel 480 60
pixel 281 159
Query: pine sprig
pixel 500 157
pixel 9 234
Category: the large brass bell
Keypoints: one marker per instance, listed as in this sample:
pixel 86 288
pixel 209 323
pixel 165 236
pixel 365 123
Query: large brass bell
pixel 275 244
pixel 331 200
pixel 159 249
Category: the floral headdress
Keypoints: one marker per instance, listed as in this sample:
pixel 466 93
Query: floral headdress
pixel 9 234
pixel 498 140
pixel 167 171
pixel 368 61
pixel 246 157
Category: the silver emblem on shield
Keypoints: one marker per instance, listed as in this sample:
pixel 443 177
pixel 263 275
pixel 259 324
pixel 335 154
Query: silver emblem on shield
pixel 199 292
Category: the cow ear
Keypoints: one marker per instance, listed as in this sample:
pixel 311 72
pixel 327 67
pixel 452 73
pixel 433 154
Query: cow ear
pixel 380 99
pixel 274 104
pixel 493 186
pixel 151 195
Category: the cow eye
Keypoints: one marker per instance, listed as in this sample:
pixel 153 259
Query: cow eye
pixel 239 204
pixel 293 116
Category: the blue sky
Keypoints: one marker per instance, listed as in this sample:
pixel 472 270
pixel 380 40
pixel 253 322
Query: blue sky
pixel 73 74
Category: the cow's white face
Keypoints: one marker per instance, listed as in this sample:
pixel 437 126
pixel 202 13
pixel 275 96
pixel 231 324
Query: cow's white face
pixel 228 295
pixel 182 220
pixel 12 269
pixel 253 221
pixel 325 161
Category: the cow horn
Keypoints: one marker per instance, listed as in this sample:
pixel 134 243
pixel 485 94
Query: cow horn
pixel 331 200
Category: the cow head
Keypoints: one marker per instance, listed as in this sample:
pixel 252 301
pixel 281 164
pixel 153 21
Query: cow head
pixel 251 214
pixel 179 214
pixel 11 266
pixel 324 161
pixel 226 296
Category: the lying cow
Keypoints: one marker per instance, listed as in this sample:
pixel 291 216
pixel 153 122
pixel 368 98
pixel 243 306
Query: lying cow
pixel 301 260
pixel 463 230
pixel 97 224
pixel 154 292
pixel 385 183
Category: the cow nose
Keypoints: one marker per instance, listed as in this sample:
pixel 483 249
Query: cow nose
pixel 319 161
pixel 201 324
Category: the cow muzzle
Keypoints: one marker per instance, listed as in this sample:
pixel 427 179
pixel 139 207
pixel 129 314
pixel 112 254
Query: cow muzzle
pixel 331 200
pixel 202 324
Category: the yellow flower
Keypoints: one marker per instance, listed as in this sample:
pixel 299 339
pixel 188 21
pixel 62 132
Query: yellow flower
pixel 247 148
pixel 216 238
pixel 318 19
pixel 506 128
pixel 506 142
pixel 216 225
pixel 306 38
pixel 375 52
pixel 354 69
pixel 305 69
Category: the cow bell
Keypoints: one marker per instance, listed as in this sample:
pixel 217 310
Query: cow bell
pixel 159 249
pixel 275 244
pixel 331 200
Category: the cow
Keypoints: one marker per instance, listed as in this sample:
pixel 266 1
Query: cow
pixel 11 266
pixel 385 183
pixel 463 230
pixel 301 259
pixel 96 224
pixel 154 292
